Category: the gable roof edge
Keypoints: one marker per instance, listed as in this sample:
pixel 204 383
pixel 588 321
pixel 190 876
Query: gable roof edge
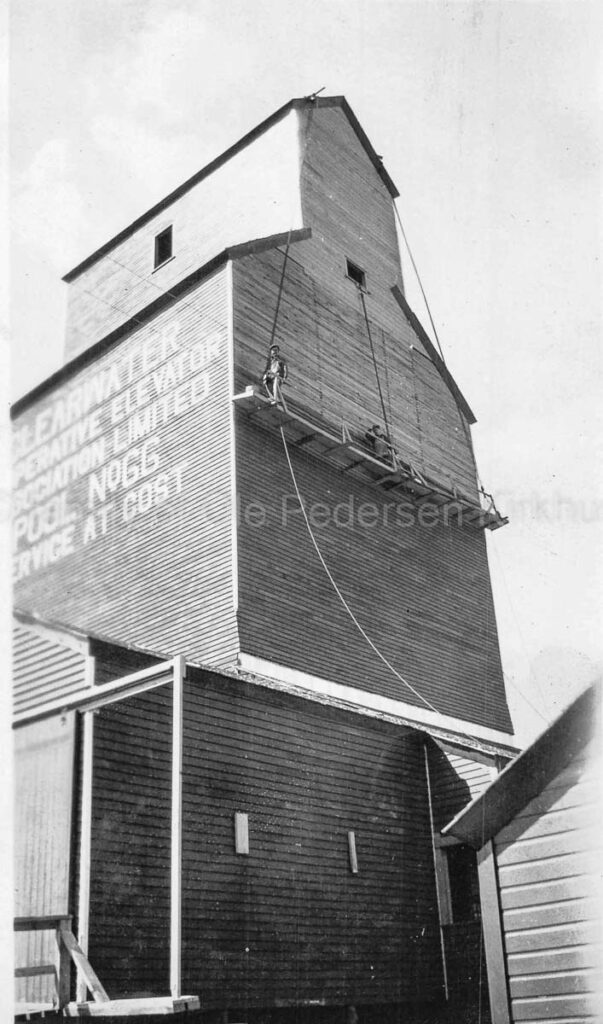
pixel 436 359
pixel 525 777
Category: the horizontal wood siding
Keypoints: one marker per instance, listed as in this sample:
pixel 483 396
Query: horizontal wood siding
pixel 43 670
pixel 466 972
pixel 351 214
pixel 130 848
pixel 324 338
pixel 549 870
pixel 253 195
pixel 289 923
pixel 43 785
pixel 456 778
pixel 148 523
pixel 422 594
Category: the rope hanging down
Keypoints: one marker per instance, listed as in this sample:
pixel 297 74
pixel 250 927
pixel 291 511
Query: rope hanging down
pixel 338 591
pixel 370 337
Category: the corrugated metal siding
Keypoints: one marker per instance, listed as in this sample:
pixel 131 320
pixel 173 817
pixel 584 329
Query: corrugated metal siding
pixel 152 554
pixel 549 869
pixel 131 829
pixel 290 923
pixel 423 595
pixel 254 195
pixel 44 757
pixel 455 780
pixel 43 670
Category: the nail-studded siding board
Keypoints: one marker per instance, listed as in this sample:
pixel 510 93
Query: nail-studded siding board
pixel 123 491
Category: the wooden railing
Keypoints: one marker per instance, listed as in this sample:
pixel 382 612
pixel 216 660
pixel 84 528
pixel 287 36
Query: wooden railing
pixel 67 949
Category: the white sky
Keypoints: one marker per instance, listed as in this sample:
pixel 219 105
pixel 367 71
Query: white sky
pixel 488 118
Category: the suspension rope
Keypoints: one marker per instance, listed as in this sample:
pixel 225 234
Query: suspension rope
pixel 338 591
pixel 370 337
pixel 280 289
pixel 418 276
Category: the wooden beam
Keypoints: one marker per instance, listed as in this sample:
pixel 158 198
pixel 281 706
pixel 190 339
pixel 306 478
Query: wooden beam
pixel 241 831
pixel 146 1006
pixel 83 907
pixel 179 671
pixel 352 853
pixel 493 935
pixel 35 971
pixel 43 923
pixel 83 965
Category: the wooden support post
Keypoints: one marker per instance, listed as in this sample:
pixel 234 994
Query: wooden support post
pixel 83 910
pixel 83 965
pixel 63 965
pixel 176 851
pixel 493 936
pixel 437 866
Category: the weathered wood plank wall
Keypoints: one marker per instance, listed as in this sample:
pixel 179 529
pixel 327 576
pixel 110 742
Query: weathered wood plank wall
pixel 43 776
pixel 351 214
pixel 549 871
pixel 422 594
pixel 253 195
pixel 331 372
pixel 129 943
pixel 289 923
pixel 133 540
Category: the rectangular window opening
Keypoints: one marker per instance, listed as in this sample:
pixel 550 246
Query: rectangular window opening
pixel 356 274
pixel 163 247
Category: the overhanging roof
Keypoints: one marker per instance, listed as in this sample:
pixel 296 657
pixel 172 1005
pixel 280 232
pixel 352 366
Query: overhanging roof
pixel 526 776
pixel 295 104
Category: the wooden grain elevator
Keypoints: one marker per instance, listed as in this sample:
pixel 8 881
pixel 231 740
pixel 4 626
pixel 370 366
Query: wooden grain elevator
pixel 256 660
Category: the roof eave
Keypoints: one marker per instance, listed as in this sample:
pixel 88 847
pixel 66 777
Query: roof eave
pixel 526 776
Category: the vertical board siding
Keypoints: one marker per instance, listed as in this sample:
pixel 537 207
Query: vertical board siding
pixel 253 195
pixel 456 778
pixel 44 758
pixel 423 595
pixel 149 524
pixel 43 670
pixel 549 871
pixel 130 850
pixel 289 923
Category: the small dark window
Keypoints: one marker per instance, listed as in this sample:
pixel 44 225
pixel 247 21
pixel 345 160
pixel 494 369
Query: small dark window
pixel 355 273
pixel 163 246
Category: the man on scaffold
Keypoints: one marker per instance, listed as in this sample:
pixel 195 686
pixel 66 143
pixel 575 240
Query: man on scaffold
pixel 275 374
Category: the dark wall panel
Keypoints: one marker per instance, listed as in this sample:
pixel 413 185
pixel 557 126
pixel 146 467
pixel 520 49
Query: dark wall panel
pixel 422 593
pixel 290 923
pixel 131 829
